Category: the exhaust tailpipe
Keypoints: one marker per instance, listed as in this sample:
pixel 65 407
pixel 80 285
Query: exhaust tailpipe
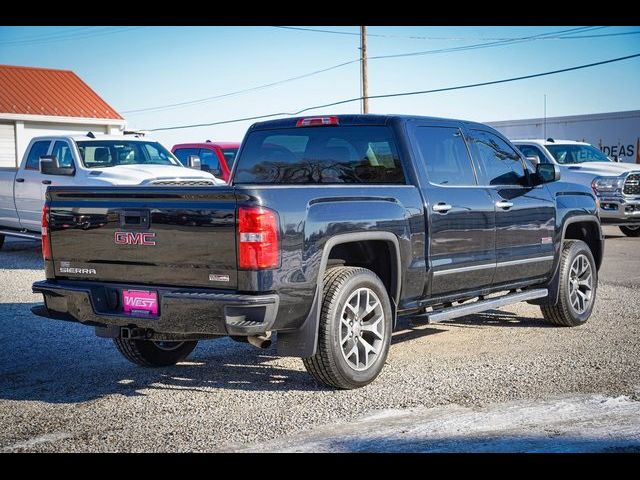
pixel 260 341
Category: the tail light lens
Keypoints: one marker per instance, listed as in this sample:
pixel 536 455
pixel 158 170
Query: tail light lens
pixel 46 243
pixel 259 246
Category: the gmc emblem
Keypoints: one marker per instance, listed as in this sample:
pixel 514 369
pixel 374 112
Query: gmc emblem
pixel 135 238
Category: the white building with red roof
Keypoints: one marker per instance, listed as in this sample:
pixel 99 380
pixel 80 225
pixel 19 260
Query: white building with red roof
pixel 44 101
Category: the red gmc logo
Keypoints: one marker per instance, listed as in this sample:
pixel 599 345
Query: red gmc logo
pixel 135 238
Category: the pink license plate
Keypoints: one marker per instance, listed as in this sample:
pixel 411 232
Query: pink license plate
pixel 140 302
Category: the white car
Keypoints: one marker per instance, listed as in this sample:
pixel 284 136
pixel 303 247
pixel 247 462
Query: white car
pixel 87 160
pixel 617 185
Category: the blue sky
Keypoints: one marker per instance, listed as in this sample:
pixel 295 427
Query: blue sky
pixel 134 68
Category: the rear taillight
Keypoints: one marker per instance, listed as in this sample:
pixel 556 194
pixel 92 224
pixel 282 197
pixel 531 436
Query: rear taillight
pixel 317 121
pixel 46 243
pixel 259 247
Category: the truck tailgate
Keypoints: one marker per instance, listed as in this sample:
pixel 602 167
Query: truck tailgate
pixel 182 236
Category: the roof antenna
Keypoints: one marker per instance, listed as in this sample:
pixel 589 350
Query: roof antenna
pixel 91 135
pixel 208 141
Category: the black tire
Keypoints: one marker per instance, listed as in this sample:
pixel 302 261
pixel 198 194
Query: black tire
pixel 564 313
pixel 147 353
pixel 329 365
pixel 631 231
pixel 1 241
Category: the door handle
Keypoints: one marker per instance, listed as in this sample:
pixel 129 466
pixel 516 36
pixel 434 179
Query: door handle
pixel 504 204
pixel 20 180
pixel 46 182
pixel 441 207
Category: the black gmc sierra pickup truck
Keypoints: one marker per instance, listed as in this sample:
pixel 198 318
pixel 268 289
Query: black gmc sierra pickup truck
pixel 331 228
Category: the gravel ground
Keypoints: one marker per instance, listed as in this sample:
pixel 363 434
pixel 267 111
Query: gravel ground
pixel 62 389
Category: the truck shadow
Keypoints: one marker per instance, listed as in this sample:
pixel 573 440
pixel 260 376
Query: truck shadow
pixel 63 362
pixel 21 255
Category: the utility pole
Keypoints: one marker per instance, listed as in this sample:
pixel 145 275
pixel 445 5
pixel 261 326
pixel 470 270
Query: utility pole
pixel 363 61
pixel 545 117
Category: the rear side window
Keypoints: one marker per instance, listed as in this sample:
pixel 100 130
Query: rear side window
pixel 209 160
pixel 229 155
pixel 500 163
pixel 320 155
pixel 445 156
pixel 38 149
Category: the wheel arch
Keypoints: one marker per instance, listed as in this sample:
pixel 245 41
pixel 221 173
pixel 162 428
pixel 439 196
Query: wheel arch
pixel 574 228
pixel 587 229
pixel 303 341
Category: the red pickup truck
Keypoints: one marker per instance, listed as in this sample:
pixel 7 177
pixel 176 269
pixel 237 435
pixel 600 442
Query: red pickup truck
pixel 215 157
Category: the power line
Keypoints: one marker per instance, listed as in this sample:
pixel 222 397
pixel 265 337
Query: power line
pixel 62 36
pixel 417 37
pixel 170 106
pixel 477 46
pixel 48 35
pixel 238 92
pixel 401 94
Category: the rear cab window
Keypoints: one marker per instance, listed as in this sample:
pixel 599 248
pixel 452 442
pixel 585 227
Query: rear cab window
pixel 320 155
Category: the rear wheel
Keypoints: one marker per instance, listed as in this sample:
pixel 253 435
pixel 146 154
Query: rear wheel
pixel 578 285
pixel 355 329
pixel 148 353
pixel 631 230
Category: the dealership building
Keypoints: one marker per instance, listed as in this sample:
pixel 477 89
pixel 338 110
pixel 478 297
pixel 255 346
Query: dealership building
pixel 43 101
pixel 617 134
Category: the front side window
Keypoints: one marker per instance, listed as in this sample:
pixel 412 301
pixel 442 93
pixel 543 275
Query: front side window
pixel 498 161
pixel 445 156
pixel 62 152
pixel 533 151
pixel 320 155
pixel 568 154
pixel 184 153
pixel 38 149
pixel 111 153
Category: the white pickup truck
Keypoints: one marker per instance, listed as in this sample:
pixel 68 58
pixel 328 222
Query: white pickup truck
pixel 87 160
pixel 617 185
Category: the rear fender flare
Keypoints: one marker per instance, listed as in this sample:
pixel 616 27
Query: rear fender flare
pixel 303 341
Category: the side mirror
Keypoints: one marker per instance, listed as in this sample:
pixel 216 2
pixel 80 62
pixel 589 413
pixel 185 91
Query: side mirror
pixel 49 165
pixel 547 172
pixel 534 159
pixel 193 161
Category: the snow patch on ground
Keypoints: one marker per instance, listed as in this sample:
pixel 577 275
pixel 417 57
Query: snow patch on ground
pixel 46 438
pixel 586 423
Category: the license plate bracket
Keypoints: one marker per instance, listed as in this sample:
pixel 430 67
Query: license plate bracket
pixel 140 303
